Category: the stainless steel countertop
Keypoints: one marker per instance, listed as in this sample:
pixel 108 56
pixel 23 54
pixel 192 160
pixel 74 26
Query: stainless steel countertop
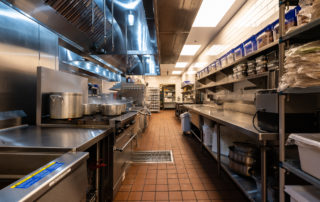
pixel 239 121
pixel 42 138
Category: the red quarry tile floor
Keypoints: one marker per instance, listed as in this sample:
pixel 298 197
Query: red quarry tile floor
pixel 191 177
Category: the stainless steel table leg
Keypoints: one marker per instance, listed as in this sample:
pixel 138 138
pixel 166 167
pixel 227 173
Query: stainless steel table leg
pixel 263 150
pixel 218 149
pixel 97 171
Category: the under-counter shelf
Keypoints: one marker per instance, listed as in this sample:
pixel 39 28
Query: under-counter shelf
pixel 293 166
pixel 247 185
pixel 243 59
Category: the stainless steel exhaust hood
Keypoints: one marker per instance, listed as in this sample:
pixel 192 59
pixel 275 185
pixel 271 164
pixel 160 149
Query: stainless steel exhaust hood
pixel 117 31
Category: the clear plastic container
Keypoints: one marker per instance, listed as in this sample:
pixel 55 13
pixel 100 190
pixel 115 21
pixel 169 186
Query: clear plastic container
pixel 242 67
pixel 230 57
pixel 264 37
pixel 250 45
pixel 261 68
pixel 241 74
pixel 238 52
pixel 223 61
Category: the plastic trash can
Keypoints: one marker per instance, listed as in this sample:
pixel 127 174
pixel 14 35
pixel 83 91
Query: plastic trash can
pixel 185 122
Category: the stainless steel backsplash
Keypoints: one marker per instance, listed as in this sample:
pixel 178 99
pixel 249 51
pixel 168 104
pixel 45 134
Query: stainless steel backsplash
pixel 24 45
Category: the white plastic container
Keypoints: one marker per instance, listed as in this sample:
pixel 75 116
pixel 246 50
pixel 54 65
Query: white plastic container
pixel 304 193
pixel 309 151
pixel 207 135
pixel 185 122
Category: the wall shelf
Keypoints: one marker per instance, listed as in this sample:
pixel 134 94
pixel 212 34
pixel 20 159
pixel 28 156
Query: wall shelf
pixel 307 32
pixel 265 74
pixel 245 58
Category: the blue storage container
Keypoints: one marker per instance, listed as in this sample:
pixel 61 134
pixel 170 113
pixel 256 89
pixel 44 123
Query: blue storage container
pixel 238 52
pixel 218 64
pixel 230 56
pixel 224 61
pixel 250 45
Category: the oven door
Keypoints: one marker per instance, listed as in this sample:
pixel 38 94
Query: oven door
pixel 122 157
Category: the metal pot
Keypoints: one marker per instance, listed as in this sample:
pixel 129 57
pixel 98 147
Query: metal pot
pixel 65 105
pixel 111 109
pixel 89 109
pixel 123 107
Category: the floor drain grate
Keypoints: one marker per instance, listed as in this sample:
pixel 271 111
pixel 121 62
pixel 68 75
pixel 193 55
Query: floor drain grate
pixel 152 157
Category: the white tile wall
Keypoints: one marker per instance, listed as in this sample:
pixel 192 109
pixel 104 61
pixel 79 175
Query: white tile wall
pixel 250 19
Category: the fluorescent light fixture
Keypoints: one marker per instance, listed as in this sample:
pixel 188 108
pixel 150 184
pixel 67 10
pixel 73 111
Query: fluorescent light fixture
pixel 130 19
pixel 190 49
pixel 176 72
pixel 211 12
pixel 216 49
pixel 181 64
pixel 97 69
pixel 199 64
pixel 191 72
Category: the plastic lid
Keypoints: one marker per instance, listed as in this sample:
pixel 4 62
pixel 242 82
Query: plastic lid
pixel 303 193
pixel 312 139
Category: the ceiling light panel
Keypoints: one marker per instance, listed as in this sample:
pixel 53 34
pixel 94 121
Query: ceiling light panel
pixel 181 64
pixel 190 49
pixel 199 64
pixel 176 72
pixel 216 49
pixel 191 72
pixel 211 12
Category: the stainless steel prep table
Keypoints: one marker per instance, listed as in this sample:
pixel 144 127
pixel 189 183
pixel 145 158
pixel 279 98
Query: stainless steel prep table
pixel 46 138
pixel 57 185
pixel 37 139
pixel 243 123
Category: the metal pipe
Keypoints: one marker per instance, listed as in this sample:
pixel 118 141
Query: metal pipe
pixel 92 15
pixel 263 151
pixel 97 172
pixel 281 102
pixel 218 149
pixel 112 34
pixel 105 24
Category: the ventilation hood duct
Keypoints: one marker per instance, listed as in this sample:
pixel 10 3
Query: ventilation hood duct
pixel 139 34
pixel 82 25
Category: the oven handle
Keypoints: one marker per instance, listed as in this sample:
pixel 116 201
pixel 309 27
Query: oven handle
pixel 124 146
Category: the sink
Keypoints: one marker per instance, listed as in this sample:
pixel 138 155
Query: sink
pixel 14 166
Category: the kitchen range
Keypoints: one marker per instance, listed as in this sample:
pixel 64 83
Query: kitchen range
pixel 95 145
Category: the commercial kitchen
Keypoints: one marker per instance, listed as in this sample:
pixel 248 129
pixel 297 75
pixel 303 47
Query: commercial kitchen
pixel 160 100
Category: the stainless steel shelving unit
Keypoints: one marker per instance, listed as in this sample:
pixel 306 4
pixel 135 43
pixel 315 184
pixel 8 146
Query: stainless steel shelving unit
pixel 154 99
pixel 189 94
pixel 305 33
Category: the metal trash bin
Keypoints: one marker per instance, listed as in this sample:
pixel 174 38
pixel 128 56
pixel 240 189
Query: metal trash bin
pixel 185 122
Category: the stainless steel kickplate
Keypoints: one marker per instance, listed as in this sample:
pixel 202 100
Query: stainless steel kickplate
pixel 152 157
